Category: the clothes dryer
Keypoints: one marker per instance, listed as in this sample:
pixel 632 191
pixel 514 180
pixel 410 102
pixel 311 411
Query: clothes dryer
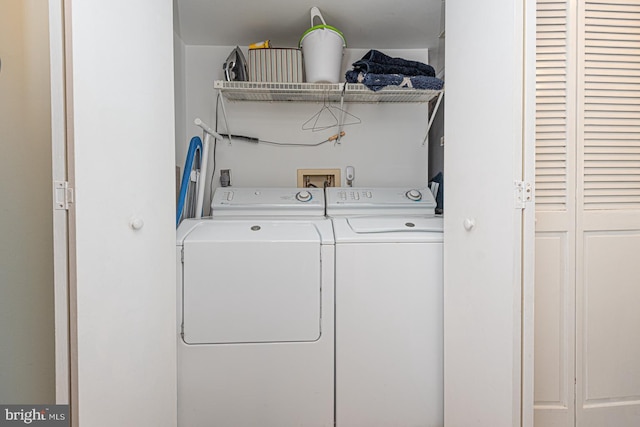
pixel 389 307
pixel 255 291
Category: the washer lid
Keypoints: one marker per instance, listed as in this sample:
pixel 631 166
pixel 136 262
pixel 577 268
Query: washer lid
pixel 388 229
pixel 390 224
pixel 379 201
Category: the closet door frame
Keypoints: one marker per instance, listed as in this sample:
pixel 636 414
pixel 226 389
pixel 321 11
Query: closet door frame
pixel 60 209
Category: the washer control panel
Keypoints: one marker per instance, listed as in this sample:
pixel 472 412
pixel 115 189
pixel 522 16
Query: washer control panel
pixel 366 201
pixel 267 201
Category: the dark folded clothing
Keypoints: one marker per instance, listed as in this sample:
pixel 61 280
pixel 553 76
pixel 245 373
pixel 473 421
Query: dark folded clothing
pixel 376 82
pixel 439 178
pixel 378 63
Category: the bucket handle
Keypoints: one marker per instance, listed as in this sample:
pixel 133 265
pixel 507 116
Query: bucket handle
pixel 316 12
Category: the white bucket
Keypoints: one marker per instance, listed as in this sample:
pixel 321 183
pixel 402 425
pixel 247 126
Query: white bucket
pixel 322 49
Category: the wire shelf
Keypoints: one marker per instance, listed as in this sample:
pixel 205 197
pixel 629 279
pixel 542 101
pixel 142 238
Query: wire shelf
pixel 319 92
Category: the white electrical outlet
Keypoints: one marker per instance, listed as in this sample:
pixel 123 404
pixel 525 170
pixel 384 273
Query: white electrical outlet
pixel 349 173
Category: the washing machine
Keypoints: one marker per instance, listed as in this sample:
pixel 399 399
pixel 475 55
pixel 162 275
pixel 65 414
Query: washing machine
pixel 255 309
pixel 389 307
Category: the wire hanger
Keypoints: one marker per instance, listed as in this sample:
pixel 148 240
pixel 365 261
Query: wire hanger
pixel 330 116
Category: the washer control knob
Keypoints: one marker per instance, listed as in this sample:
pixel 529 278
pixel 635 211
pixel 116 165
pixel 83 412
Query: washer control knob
pixel 414 195
pixel 303 196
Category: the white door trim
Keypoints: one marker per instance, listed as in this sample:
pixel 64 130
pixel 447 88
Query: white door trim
pixel 60 215
pixel 528 220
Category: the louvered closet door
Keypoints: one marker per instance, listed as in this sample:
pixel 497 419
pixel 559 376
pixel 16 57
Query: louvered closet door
pixel 555 214
pixel 608 220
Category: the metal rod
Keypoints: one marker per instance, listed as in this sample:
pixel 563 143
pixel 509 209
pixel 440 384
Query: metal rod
pixel 202 181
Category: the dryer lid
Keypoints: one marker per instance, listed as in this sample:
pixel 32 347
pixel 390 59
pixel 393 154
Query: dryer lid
pixel 270 229
pixel 257 230
pixel 251 282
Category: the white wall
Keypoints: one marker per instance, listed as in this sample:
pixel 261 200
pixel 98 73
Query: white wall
pixel 180 97
pixel 123 169
pixel 385 149
pixel 26 246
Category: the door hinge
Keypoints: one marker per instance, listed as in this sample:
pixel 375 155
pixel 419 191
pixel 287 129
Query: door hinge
pixel 523 194
pixel 62 195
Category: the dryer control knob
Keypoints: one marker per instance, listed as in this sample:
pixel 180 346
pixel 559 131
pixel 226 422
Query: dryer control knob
pixel 303 196
pixel 414 195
